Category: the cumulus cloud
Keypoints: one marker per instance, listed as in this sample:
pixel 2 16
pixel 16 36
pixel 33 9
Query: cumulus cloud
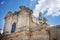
pixel 52 5
pixel 38 7
pixel 54 8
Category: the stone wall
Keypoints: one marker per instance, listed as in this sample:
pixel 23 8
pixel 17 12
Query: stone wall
pixel 8 24
pixel 55 32
pixel 21 18
pixel 38 35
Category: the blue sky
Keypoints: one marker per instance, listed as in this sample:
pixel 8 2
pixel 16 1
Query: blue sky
pixel 50 9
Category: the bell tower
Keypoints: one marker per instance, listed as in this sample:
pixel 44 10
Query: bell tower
pixel 8 23
pixel 40 16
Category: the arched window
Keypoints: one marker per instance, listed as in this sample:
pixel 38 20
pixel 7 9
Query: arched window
pixel 13 28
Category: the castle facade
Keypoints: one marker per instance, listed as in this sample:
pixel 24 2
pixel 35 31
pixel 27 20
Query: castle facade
pixel 22 25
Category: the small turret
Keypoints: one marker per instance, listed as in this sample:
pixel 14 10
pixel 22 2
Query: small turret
pixel 8 14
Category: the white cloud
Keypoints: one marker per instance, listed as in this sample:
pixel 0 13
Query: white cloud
pixel 2 2
pixel 53 8
pixel 52 5
pixel 52 25
pixel 38 7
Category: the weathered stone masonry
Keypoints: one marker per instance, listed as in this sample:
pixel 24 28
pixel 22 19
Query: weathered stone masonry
pixel 27 26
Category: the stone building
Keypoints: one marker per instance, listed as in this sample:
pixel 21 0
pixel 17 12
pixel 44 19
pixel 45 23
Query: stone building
pixel 22 25
pixel 55 32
